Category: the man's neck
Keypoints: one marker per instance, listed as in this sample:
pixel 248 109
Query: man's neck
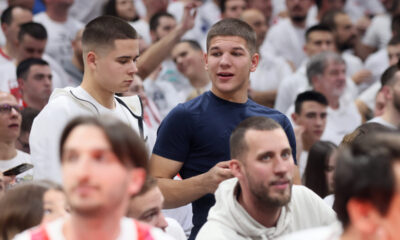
pixel 57 14
pixel 77 227
pixel 307 143
pixel 267 217
pixel 8 49
pixel 7 150
pixel 200 80
pixel 299 24
pixel 36 104
pixel 102 96
pixel 333 101
pixel 391 115
pixel 236 97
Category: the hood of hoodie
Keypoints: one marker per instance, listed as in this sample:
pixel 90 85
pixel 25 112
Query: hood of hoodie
pixel 229 212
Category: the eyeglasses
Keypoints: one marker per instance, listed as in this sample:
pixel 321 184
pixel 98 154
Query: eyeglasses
pixel 6 108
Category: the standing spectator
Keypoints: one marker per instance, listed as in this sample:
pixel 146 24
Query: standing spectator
pixel 193 138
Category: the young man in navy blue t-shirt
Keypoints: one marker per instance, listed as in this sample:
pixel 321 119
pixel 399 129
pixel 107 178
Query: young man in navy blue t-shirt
pixel 193 139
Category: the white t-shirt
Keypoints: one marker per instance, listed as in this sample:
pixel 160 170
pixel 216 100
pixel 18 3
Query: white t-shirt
pixel 331 232
pixel 378 34
pixel 359 8
pixel 303 163
pixel 143 29
pixel 20 158
pixel 86 10
pixel 49 124
pixel 383 122
pixel 60 36
pixel 377 63
pixel 368 96
pixel 128 231
pixel 288 41
pixel 174 229
pixel 270 72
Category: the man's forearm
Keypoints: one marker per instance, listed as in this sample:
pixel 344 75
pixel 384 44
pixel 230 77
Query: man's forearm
pixel 181 192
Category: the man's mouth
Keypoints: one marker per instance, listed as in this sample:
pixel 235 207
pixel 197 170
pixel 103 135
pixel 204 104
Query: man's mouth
pixel 225 75
pixel 13 125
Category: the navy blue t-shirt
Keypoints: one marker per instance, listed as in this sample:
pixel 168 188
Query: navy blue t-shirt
pixel 197 133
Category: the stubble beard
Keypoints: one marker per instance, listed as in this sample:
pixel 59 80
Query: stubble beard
pixel 263 194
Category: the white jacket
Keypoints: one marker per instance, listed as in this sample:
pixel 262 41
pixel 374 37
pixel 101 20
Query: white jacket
pixel 227 219
pixel 64 105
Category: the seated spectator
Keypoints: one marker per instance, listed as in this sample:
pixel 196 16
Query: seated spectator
pixel 10 125
pixel 124 9
pixel 146 206
pixel 28 115
pixel 189 59
pixel 271 69
pixel 318 175
pixel 74 67
pixel 390 82
pixel 310 114
pixel 261 201
pixel 61 29
pixel 104 163
pixel 34 82
pixel 232 8
pixel 367 183
pixel 21 208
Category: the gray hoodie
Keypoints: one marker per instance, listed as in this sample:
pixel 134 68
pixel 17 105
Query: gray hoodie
pixel 227 219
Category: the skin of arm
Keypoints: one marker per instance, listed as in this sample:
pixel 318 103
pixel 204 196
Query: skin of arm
pixel 160 50
pixel 179 193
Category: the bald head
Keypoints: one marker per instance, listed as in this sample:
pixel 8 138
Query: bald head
pixel 4 96
pixel 257 21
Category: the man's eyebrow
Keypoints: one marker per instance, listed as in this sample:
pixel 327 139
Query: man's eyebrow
pixel 238 48
pixel 214 48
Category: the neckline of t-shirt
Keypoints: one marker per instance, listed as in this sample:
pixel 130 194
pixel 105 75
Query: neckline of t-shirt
pixel 210 93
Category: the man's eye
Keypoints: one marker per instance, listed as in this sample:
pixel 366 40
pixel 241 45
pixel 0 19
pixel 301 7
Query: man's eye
pixel 216 54
pixel 237 54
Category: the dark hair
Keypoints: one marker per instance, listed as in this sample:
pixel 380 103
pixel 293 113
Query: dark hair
pixel 329 18
pixel 126 144
pixel 317 28
pixel 111 10
pixel 317 161
pixel 395 25
pixel 237 142
pixel 33 29
pixel 363 131
pixel 233 27
pixel 155 19
pixel 148 184
pixel 387 77
pixel 395 39
pixel 364 171
pixel 28 115
pixel 6 16
pixel 309 96
pixel 24 66
pixel 21 208
pixel 192 43
pixel 102 31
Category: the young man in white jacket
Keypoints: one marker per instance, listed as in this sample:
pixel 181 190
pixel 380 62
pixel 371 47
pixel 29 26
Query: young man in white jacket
pixel 261 203
pixel 110 50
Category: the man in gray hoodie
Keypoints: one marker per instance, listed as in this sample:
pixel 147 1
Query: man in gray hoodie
pixel 261 203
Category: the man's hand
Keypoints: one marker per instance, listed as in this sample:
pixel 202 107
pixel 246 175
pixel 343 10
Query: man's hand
pixel 362 76
pixel 216 175
pixel 189 15
pixel 298 133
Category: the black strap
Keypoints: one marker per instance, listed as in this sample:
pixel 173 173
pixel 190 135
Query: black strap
pixel 139 118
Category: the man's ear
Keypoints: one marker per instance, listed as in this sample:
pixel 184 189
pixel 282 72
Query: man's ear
pixel 363 216
pixel 205 61
pixel 295 118
pixel 387 92
pixel 4 28
pixel 236 167
pixel 138 176
pixel 254 62
pixel 91 60
pixel 20 83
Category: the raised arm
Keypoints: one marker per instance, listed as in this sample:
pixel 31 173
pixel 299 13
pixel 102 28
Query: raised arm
pixel 160 50
pixel 179 193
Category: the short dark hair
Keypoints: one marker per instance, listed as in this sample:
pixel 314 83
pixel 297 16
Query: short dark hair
pixel 192 43
pixel 6 16
pixel 126 144
pixel 102 31
pixel 317 28
pixel 387 77
pixel 155 19
pixel 148 184
pixel 233 27
pixel 364 171
pixel 395 40
pixel 317 161
pixel 28 115
pixel 363 131
pixel 111 10
pixel 237 142
pixel 328 19
pixel 33 29
pixel 309 96
pixel 395 25
pixel 24 66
